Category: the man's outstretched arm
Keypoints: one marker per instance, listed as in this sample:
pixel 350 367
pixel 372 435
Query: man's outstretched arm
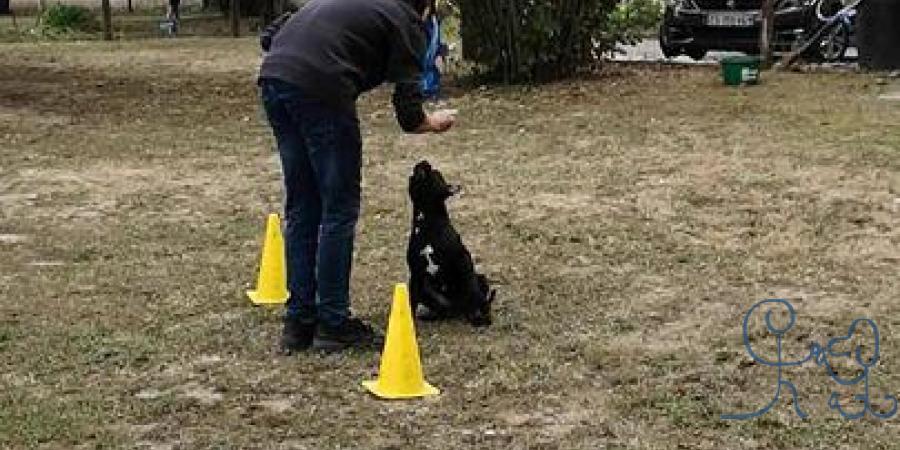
pixel 411 116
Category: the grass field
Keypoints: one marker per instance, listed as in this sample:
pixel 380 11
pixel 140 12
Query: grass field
pixel 631 220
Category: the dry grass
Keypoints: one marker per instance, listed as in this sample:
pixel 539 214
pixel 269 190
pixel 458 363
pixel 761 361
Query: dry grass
pixel 632 220
pixel 142 24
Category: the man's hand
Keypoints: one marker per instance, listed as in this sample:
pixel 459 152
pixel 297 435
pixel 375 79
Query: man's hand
pixel 438 121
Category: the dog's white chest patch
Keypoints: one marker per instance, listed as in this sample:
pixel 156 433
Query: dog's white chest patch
pixel 432 268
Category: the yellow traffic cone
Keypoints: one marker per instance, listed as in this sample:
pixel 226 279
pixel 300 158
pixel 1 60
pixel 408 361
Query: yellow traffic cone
pixel 400 375
pixel 271 286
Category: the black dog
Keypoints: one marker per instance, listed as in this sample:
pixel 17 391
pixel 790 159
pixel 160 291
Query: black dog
pixel 442 275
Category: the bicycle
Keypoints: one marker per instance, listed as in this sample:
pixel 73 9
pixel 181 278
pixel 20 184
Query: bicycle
pixel 831 40
pixel 833 45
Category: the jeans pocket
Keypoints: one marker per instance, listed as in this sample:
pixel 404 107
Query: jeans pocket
pixel 275 109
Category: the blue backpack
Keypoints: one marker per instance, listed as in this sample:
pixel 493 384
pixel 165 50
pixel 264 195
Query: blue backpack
pixel 431 78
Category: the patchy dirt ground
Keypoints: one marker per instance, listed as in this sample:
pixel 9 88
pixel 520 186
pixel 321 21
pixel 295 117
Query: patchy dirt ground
pixel 632 220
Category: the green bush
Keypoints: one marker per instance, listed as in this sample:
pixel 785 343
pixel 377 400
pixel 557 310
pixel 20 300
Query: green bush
pixel 542 40
pixel 68 18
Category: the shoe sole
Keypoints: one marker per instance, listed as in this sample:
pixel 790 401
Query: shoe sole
pixel 335 346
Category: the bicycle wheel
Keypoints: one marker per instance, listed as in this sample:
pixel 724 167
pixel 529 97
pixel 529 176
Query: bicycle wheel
pixel 833 45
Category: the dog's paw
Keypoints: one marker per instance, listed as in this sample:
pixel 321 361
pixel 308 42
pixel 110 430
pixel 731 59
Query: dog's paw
pixel 427 314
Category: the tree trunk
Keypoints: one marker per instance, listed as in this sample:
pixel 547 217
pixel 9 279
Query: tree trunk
pixel 107 20
pixel 267 14
pixel 767 35
pixel 236 18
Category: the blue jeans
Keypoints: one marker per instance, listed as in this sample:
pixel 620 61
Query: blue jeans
pixel 321 158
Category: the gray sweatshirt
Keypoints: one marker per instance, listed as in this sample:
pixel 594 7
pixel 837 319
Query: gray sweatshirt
pixel 334 50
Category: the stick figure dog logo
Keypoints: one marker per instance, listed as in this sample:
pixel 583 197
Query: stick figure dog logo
pixel 821 356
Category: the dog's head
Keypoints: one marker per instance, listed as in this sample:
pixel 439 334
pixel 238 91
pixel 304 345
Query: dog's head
pixel 427 187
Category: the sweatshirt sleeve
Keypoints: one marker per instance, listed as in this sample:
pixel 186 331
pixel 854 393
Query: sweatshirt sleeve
pixel 407 101
pixel 405 65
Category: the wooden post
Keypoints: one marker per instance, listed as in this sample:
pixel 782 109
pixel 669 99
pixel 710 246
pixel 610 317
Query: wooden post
pixel 130 7
pixel 767 36
pixel 510 67
pixel 236 18
pixel 42 6
pixel 107 20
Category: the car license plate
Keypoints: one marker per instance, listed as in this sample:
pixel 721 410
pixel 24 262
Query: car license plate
pixel 729 20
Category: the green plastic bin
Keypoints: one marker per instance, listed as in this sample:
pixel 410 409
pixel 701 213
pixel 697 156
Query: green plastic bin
pixel 740 70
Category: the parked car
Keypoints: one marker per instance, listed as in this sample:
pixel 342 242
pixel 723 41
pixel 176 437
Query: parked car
pixel 695 27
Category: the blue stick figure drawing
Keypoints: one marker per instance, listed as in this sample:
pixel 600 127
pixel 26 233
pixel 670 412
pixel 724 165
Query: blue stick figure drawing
pixel 780 363
pixel 820 355
pixel 866 365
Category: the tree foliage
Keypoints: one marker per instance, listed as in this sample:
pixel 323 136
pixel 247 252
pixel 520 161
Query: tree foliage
pixel 68 18
pixel 539 40
pixel 265 9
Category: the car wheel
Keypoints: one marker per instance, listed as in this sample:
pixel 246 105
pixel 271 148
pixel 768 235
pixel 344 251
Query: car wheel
pixel 664 44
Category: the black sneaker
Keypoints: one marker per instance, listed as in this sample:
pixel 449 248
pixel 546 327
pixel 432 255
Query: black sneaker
pixel 296 336
pixel 352 333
